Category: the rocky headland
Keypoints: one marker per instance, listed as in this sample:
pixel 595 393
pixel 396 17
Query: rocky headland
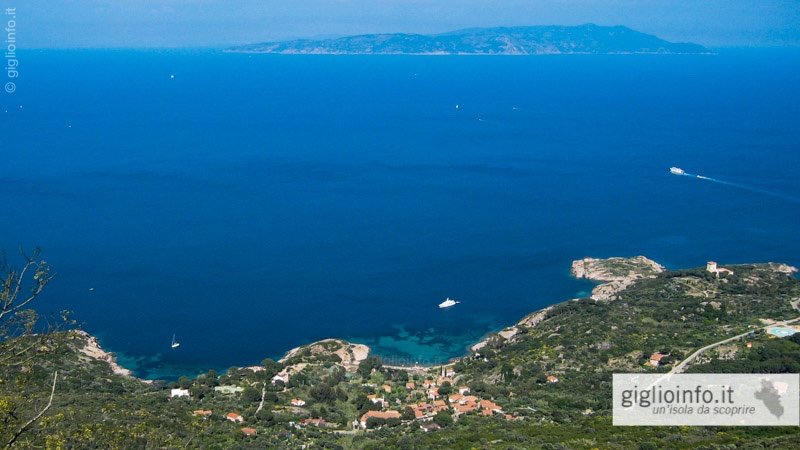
pixel 615 273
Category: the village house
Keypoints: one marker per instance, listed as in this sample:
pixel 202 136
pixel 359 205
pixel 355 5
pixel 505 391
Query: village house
pixel 282 376
pixel 463 390
pixel 319 422
pixel 179 393
pixel 298 402
pixel 552 379
pixel 387 388
pixel 492 407
pixel 430 427
pixel 422 410
pixel 419 414
pixel 655 359
pixel 468 399
pixel 233 417
pixel 249 431
pixel 410 385
pixel 464 407
pixel 379 415
pixel 377 400
pixel 205 414
pixel 433 393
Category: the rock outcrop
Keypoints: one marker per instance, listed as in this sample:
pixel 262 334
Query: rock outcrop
pixel 93 350
pixel 618 273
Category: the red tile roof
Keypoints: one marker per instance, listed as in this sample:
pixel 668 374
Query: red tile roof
pixel 381 415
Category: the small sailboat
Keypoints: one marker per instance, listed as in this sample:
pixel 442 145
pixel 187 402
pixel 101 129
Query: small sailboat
pixel 175 344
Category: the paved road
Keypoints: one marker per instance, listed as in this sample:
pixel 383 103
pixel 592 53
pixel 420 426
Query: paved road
pixel 682 365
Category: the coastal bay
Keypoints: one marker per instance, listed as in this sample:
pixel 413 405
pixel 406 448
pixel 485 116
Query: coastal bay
pixel 302 200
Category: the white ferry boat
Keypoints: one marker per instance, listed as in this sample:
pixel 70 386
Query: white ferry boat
pixel 676 171
pixel 448 303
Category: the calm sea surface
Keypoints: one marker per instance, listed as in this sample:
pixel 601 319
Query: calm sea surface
pixel 252 203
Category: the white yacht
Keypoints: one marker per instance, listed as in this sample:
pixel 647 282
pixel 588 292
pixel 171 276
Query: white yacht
pixel 676 171
pixel 175 344
pixel 448 303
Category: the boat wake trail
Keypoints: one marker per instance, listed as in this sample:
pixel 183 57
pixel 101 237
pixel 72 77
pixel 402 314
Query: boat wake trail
pixel 739 186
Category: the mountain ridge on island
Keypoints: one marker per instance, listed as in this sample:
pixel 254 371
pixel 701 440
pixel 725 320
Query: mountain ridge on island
pixel 521 40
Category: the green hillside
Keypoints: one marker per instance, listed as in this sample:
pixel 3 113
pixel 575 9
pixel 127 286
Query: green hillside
pixel 510 399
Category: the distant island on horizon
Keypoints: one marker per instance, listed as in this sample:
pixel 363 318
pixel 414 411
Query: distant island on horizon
pixel 526 40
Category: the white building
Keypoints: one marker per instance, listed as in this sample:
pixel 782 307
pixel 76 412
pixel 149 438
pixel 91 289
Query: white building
pixel 179 393
pixel 283 376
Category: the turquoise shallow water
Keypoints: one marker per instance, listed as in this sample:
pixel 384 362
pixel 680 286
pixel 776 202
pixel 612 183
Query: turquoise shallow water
pixel 253 203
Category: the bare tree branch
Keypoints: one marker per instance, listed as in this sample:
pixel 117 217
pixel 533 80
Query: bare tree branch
pixel 13 281
pixel 41 413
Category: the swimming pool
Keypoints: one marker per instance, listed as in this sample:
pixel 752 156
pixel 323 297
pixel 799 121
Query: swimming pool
pixel 782 331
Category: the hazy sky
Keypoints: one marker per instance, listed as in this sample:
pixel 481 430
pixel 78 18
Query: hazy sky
pixel 170 23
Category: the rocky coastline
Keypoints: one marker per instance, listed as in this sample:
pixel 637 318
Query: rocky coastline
pixel 614 275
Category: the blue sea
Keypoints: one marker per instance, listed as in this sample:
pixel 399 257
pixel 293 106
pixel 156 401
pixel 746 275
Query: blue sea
pixel 249 204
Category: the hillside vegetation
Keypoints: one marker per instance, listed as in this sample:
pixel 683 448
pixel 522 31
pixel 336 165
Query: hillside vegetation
pixel 543 383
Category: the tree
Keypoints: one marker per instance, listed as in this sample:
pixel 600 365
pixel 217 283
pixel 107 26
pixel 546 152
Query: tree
pixel 443 419
pixel 323 393
pixel 271 368
pixel 15 320
pixel 19 342
pixel 250 395
pixel 375 422
pixel 366 366
pixel 298 379
pixel 408 413
pixel 446 388
pixel 199 392
pixel 362 403
pixel 341 395
pixel 184 382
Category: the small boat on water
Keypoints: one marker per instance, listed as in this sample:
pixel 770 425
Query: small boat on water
pixel 448 303
pixel 175 344
pixel 676 171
